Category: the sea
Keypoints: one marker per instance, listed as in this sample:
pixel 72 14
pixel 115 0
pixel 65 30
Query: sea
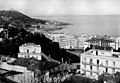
pixel 89 24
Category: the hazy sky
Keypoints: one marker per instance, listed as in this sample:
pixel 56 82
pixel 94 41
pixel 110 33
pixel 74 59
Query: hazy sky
pixel 63 7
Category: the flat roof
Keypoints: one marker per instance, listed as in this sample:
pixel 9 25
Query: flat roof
pixel 100 39
pixel 30 44
pixel 89 54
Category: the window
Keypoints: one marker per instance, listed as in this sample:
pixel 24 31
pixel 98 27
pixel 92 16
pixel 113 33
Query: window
pixel 90 73
pixel 84 62
pixel 90 61
pixel 106 70
pixel 28 56
pixel 96 52
pixel 97 62
pixel 27 50
pixel 85 66
pixel 106 63
pixel 113 63
pixel 90 67
pixel 91 51
pixel 113 70
pixel 37 57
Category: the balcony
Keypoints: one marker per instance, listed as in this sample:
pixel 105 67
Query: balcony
pixel 101 65
pixel 93 71
pixel 92 64
pixel 107 66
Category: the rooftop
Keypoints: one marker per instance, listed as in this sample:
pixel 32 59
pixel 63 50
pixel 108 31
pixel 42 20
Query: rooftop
pixel 30 44
pixel 100 39
pixel 109 54
pixel 32 62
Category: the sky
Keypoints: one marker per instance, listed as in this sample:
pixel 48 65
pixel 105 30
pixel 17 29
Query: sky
pixel 63 7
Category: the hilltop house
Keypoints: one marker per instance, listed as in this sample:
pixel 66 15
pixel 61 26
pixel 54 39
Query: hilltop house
pixel 30 50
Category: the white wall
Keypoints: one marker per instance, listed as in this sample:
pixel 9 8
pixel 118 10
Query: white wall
pixel 33 48
pixel 6 66
pixel 23 78
pixel 102 62
pixel 30 55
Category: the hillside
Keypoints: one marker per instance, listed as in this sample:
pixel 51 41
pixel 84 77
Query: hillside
pixel 19 19
pixel 15 17
pixel 14 37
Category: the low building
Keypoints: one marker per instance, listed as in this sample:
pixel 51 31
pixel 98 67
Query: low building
pixel 100 42
pixel 116 44
pixel 23 75
pixel 96 62
pixel 30 50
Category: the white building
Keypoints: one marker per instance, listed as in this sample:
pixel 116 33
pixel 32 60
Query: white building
pixel 66 41
pixel 26 75
pixel 82 40
pixel 95 62
pixel 70 42
pixel 30 50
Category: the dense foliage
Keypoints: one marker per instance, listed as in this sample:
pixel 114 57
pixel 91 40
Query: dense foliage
pixel 14 37
pixel 115 78
pixel 34 64
pixel 79 79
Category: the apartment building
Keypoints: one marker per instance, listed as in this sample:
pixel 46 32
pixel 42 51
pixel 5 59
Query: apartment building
pixel 65 41
pixel 96 61
pixel 70 41
pixel 30 50
pixel 82 40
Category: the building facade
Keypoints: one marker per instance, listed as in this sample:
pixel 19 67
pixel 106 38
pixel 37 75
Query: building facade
pixel 82 40
pixel 116 44
pixel 105 42
pixel 65 41
pixel 95 62
pixel 30 50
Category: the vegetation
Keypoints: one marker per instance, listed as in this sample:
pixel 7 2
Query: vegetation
pixel 17 18
pixel 79 79
pixel 14 37
pixel 115 78
pixel 34 64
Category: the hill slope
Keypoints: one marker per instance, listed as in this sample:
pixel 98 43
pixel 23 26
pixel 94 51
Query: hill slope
pixel 16 17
